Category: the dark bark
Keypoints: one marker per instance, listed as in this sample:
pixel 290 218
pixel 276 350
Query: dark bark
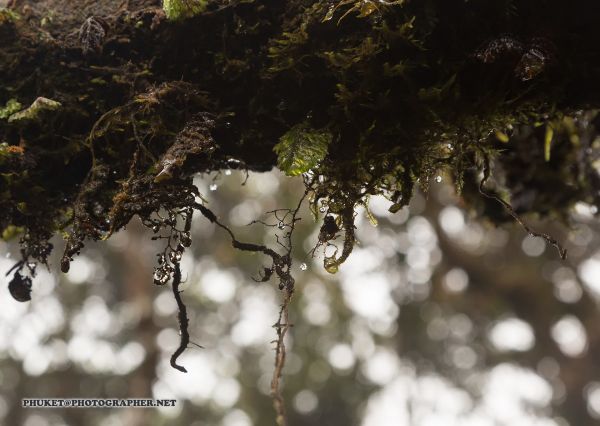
pixel 391 92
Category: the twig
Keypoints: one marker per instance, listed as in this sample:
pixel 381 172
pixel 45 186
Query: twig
pixel 549 239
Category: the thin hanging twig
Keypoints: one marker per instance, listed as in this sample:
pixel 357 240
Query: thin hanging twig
pixel 282 264
pixel 549 239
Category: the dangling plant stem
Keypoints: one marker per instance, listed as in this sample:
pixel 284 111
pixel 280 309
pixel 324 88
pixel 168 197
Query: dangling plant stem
pixel 282 326
pixel 183 320
pixel 281 265
pixel 549 239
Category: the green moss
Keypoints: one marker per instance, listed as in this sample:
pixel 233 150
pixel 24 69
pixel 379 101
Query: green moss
pixel 11 232
pixel 182 9
pixel 371 97
pixel 8 15
pixel 10 108
pixel 35 112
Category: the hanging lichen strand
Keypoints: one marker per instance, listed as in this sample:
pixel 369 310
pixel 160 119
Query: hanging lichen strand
pixel 107 112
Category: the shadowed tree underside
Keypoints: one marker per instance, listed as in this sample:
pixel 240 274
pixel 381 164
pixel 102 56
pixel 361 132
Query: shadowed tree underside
pixel 110 107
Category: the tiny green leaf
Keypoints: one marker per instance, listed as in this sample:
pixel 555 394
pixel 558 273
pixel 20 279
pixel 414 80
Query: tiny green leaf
pixel 301 148
pixel 502 137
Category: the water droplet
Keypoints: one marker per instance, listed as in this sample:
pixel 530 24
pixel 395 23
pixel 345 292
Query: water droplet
pixel 31 265
pixel 186 239
pixel 233 163
pixel 322 209
pixel 98 209
pixel 438 179
pixel 281 225
pixel 213 187
pixel 330 265
pixel 175 256
pixel 303 266
pixel 329 14
pixel 227 172
pixel 160 276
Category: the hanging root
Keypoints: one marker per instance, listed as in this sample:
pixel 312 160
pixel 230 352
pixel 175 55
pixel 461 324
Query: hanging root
pixel 549 239
pixel 281 266
pixel 282 326
pixel 183 320
pixel 169 266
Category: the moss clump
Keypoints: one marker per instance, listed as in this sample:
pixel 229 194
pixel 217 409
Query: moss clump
pixel 371 97
pixel 35 112
pixel 8 15
pixel 12 106
pixel 11 232
pixel 181 9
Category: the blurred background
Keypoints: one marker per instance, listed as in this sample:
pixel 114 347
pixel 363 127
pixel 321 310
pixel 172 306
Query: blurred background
pixel 435 319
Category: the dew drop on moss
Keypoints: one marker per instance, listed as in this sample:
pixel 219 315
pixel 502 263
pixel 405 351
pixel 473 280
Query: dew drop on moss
pixel 175 256
pixel 186 239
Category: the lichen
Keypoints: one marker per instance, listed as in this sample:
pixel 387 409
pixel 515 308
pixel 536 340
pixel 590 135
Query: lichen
pixel 35 111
